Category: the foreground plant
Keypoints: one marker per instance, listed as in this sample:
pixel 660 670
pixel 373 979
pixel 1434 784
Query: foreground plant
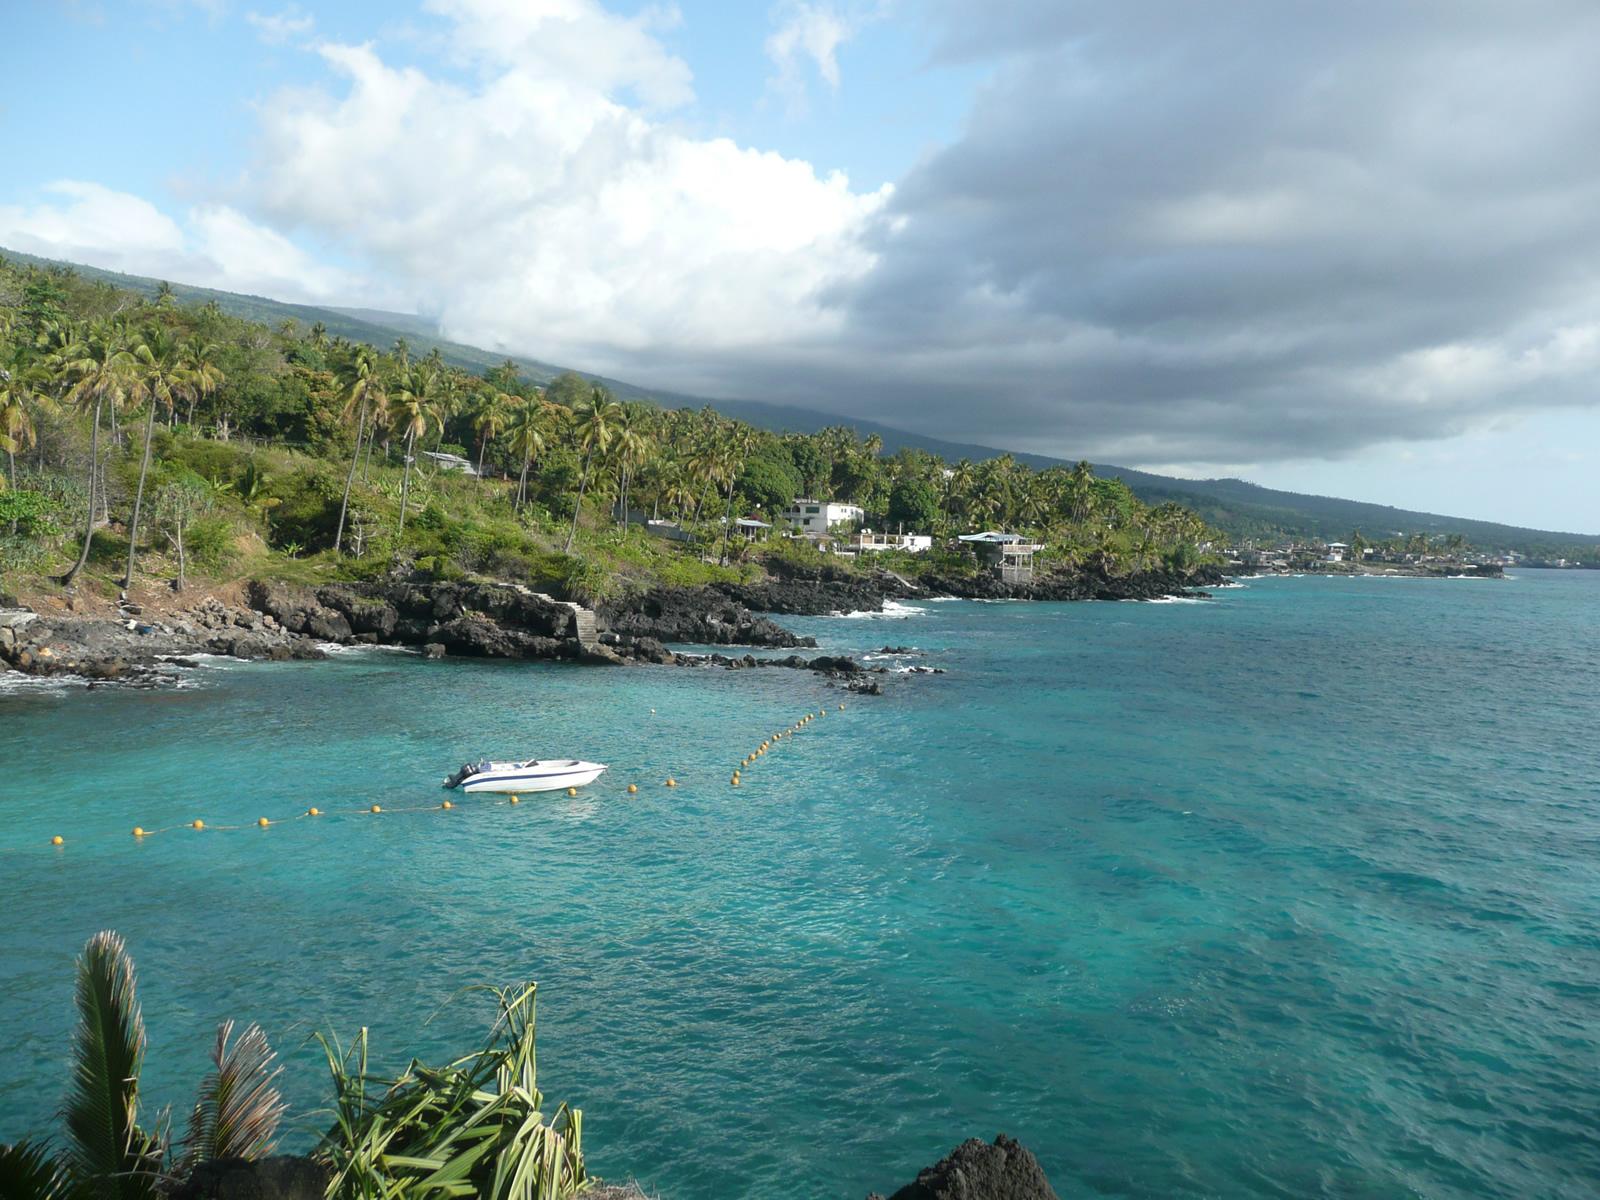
pixel 107 1154
pixel 474 1127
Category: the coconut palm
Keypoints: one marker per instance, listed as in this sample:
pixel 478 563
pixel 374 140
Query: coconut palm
pixel 413 406
pixel 493 416
pixel 593 420
pixel 99 368
pixel 529 426
pixel 631 448
pixel 157 376
pixel 202 375
pixel 19 393
pixel 363 386
pixel 738 448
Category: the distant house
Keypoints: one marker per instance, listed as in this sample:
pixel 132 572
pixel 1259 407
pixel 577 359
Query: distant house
pixel 820 518
pixel 450 462
pixel 867 542
pixel 1008 555
pixel 1337 552
pixel 654 526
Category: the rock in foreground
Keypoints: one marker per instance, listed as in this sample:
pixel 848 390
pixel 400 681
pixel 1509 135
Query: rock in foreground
pixel 975 1170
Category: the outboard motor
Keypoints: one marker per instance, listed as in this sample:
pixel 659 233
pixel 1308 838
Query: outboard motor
pixel 466 772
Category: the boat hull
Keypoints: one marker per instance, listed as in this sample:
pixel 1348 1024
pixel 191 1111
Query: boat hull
pixel 535 777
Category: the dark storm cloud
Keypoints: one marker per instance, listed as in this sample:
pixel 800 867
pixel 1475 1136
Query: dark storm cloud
pixel 1175 231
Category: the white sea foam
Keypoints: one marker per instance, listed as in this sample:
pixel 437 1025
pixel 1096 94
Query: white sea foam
pixel 893 610
pixel 18 681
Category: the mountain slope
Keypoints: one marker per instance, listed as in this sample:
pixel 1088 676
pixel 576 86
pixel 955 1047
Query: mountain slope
pixel 1241 508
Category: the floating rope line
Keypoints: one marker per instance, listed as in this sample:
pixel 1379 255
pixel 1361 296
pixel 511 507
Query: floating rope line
pixel 199 825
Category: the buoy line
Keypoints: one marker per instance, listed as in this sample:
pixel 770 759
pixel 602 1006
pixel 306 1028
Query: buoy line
pixel 139 833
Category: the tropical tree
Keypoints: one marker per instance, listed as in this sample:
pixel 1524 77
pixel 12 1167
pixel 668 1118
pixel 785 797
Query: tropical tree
pixel 631 448
pixel 157 376
pixel 529 426
pixel 493 417
pixel 363 386
pixel 99 368
pixel 202 376
pixel 413 403
pixel 108 1155
pixel 593 420
pixel 19 392
pixel 737 450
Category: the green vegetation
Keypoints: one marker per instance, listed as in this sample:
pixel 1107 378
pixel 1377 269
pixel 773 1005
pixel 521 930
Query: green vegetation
pixel 149 440
pixel 474 1127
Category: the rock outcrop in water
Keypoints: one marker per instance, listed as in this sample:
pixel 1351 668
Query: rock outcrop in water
pixel 975 1170
pixel 712 616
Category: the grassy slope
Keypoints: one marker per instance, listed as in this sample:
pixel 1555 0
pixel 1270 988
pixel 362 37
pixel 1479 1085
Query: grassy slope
pixel 1241 508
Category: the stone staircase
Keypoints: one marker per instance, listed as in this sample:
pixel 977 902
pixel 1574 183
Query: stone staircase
pixel 583 626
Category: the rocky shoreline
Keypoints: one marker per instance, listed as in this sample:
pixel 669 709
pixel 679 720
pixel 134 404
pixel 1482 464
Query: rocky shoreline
pixel 489 619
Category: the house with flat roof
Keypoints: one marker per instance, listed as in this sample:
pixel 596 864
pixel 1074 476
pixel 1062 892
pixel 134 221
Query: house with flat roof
pixel 1008 555
pixel 821 518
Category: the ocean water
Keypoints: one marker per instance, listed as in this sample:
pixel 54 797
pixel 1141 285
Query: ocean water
pixel 1291 893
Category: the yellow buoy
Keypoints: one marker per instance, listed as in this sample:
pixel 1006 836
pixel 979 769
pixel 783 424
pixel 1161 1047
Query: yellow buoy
pixel 377 808
pixel 57 840
pixel 516 799
pixel 198 825
pixel 671 782
pixel 633 789
pixel 734 781
pixel 572 791
pixel 138 831
pixel 263 822
pixel 447 804
pixel 313 812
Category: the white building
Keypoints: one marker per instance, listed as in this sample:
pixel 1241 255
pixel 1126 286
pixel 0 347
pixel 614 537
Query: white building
pixel 818 518
pixel 868 542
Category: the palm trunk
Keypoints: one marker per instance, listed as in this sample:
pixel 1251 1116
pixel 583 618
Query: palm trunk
pixel 522 483
pixel 88 527
pixel 405 481
pixel 138 495
pixel 727 521
pixel 11 478
pixel 483 446
pixel 583 482
pixel 344 505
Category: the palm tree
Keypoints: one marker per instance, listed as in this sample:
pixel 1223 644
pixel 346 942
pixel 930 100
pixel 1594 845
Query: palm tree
pixel 363 385
pixel 528 429
pixel 202 376
pixel 491 422
pixel 631 448
pixel 99 368
pixel 157 376
pixel 593 420
pixel 18 393
pixel 108 1156
pixel 414 407
pixel 739 445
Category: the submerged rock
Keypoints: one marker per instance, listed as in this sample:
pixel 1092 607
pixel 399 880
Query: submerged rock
pixel 976 1170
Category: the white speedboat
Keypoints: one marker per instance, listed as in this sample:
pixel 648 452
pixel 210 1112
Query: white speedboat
pixel 535 775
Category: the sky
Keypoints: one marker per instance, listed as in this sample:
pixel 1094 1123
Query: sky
pixel 1351 249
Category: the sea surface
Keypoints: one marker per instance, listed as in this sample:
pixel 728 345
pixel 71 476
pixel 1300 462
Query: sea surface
pixel 1294 892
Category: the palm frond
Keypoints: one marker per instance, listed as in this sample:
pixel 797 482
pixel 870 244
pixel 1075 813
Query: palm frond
pixel 237 1111
pixel 107 1152
pixel 28 1171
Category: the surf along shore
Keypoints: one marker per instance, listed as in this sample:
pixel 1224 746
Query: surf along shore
pixel 153 635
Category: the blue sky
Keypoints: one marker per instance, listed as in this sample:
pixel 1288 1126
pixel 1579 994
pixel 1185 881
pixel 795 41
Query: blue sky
pixel 1346 249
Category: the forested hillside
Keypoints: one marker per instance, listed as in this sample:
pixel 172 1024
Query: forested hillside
pixel 1240 509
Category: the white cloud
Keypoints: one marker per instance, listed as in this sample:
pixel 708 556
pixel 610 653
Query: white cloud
pixel 279 28
pixel 216 247
pixel 806 32
pixel 574 41
pixel 537 212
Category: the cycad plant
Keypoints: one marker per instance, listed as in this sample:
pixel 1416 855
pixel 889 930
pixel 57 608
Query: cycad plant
pixel 107 1155
pixel 474 1127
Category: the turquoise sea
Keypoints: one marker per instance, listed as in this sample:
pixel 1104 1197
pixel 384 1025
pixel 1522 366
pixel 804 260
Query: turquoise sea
pixel 1291 893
